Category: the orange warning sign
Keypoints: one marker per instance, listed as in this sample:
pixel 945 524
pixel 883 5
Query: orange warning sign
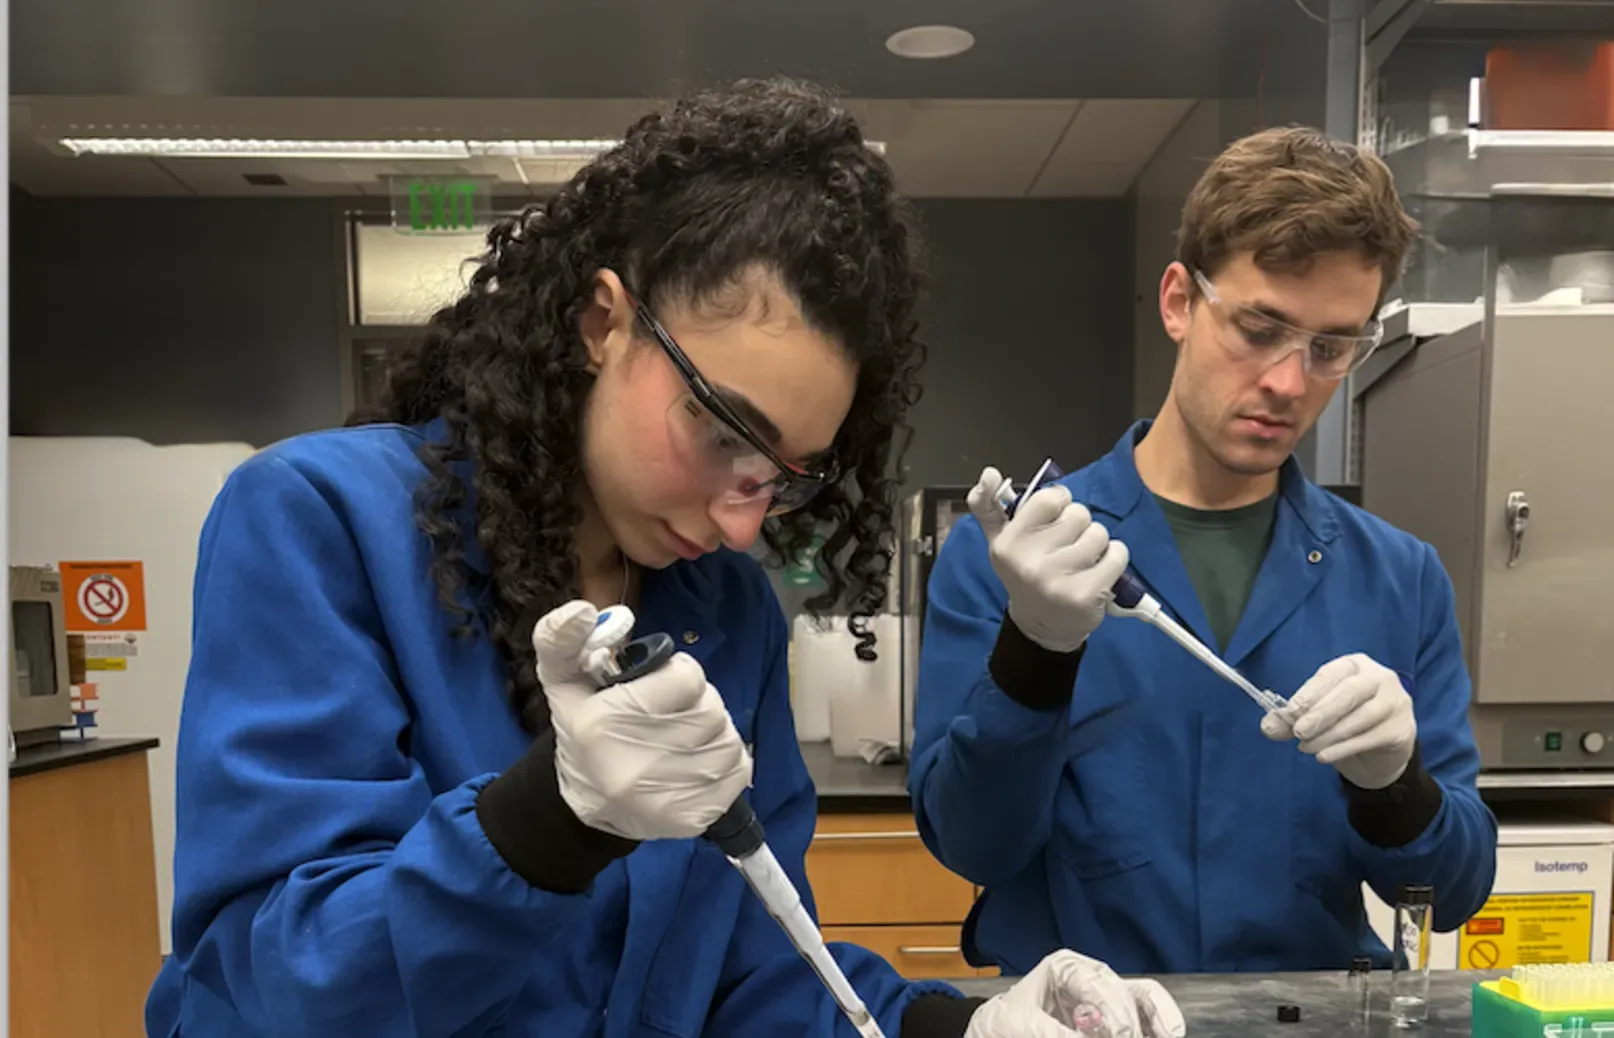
pixel 104 596
pixel 1526 929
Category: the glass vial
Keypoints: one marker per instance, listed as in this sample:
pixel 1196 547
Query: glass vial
pixel 1361 990
pixel 1409 983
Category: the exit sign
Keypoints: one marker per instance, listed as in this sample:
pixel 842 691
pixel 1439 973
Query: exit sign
pixel 440 205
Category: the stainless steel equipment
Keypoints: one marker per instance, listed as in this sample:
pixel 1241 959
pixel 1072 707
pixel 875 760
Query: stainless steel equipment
pixel 928 515
pixel 1491 443
pixel 1483 427
pixel 41 696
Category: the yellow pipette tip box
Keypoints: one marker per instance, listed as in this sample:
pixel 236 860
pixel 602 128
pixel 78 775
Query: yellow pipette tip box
pixel 1502 1009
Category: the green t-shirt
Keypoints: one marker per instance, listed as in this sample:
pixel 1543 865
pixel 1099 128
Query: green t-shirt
pixel 1223 552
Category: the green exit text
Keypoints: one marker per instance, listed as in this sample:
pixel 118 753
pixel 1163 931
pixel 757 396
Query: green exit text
pixel 443 205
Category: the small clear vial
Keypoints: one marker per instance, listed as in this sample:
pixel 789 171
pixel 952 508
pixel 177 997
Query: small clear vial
pixel 1359 980
pixel 1409 983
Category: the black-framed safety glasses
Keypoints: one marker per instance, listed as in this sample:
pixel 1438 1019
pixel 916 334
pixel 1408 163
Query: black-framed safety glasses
pixel 748 470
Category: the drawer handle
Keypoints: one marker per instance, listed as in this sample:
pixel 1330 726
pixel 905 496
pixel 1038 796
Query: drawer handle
pixel 911 834
pixel 905 949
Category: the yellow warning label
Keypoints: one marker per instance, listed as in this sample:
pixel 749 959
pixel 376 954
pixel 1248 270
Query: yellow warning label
pixel 1525 929
pixel 103 663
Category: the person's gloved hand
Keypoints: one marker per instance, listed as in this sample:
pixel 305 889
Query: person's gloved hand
pixel 1072 996
pixel 1353 714
pixel 1056 563
pixel 653 758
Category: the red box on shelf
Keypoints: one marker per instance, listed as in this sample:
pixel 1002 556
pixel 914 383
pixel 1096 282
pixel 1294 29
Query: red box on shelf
pixel 1550 86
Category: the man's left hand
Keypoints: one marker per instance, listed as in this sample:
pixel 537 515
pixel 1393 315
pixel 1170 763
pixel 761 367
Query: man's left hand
pixel 1353 714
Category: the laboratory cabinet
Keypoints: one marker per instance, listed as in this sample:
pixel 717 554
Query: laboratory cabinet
pixel 877 885
pixel 84 926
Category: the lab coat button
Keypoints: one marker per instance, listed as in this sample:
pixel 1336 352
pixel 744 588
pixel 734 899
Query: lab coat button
pixel 691 637
pixel 1315 557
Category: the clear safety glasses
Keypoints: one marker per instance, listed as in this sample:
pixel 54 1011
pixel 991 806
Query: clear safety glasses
pixel 1251 334
pixel 736 464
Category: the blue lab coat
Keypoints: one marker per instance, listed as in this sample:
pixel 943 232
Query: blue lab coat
pixel 331 877
pixel 1151 824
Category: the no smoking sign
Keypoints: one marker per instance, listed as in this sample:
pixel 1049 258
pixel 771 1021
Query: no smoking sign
pixel 104 596
pixel 103 599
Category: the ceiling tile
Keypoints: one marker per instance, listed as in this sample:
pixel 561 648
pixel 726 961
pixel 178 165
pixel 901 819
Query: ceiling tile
pixel 1086 180
pixel 963 149
pixel 549 173
pixel 227 177
pixel 112 178
pixel 1111 134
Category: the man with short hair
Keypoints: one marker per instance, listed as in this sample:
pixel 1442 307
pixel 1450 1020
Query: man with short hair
pixel 1107 790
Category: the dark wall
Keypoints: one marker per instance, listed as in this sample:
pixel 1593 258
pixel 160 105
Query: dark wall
pixel 187 320
pixel 173 320
pixel 1029 323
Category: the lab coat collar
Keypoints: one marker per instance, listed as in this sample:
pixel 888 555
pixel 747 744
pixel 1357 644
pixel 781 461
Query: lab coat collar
pixel 1117 489
pixel 1306 522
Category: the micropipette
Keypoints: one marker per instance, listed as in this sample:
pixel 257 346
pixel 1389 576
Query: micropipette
pixel 610 659
pixel 1130 597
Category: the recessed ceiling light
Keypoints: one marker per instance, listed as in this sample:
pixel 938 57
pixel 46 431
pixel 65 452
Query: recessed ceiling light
pixel 930 41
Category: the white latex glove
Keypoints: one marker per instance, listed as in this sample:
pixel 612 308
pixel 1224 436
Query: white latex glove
pixel 1072 996
pixel 653 758
pixel 1353 714
pixel 1056 563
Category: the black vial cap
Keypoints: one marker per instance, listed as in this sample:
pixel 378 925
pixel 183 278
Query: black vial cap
pixel 1288 1014
pixel 1361 964
pixel 1417 895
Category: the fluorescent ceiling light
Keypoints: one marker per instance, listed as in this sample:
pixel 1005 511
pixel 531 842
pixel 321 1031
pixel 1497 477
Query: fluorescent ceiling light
pixel 930 41
pixel 224 148
pixel 377 151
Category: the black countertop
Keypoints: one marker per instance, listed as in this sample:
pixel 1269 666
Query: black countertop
pixel 65 754
pixel 1245 1005
pixel 849 784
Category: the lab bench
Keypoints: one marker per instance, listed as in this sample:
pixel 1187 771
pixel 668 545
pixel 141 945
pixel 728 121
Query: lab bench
pixel 85 938
pixel 1245 1005
pixel 848 785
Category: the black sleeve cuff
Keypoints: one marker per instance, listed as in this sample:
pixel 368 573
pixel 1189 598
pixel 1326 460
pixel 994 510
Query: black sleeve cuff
pixel 1400 812
pixel 938 1015
pixel 536 833
pixel 1035 677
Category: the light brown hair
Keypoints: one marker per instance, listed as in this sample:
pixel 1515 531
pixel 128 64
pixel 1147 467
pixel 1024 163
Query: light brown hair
pixel 1289 194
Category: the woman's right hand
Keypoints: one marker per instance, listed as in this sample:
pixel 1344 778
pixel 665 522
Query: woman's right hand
pixel 653 758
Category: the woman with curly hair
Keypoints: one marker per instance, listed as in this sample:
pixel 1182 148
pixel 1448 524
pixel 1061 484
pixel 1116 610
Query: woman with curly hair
pixel 403 810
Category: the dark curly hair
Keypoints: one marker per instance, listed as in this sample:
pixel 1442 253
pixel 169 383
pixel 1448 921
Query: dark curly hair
pixel 765 173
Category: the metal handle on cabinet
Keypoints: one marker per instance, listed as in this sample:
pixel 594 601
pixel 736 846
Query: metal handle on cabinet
pixel 912 834
pixel 903 949
pixel 1518 513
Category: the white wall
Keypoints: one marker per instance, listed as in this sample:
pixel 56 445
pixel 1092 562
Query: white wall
pixel 121 499
pixel 1158 196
